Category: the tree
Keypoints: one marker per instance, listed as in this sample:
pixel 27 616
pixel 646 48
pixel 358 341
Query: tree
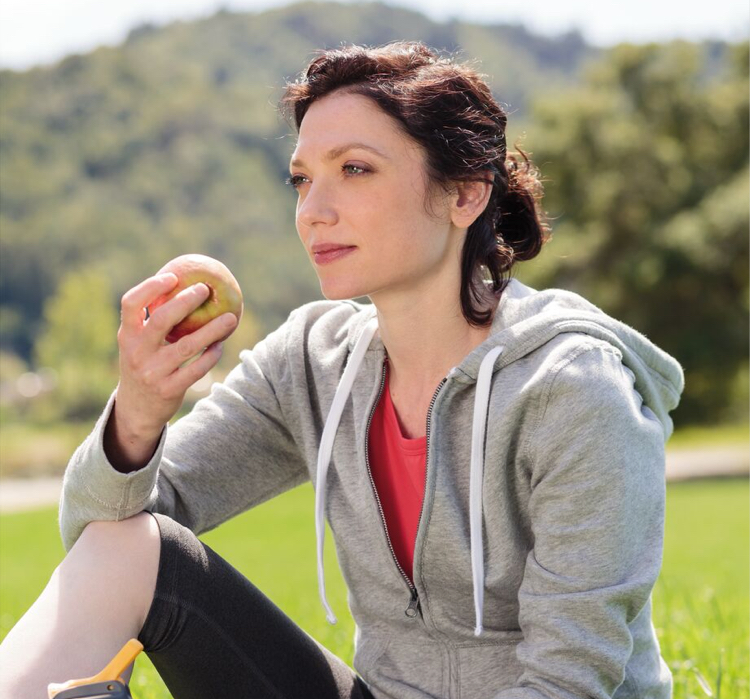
pixel 79 341
pixel 647 174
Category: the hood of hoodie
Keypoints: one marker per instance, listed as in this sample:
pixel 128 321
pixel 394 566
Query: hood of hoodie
pixel 524 320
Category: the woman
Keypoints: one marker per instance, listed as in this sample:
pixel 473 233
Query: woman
pixel 490 457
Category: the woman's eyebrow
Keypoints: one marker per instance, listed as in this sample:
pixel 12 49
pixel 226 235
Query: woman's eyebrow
pixel 340 150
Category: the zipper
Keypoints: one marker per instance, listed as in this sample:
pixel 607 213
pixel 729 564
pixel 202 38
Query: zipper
pixel 414 607
pixel 411 610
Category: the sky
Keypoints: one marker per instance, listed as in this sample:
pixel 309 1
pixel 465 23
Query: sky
pixel 34 32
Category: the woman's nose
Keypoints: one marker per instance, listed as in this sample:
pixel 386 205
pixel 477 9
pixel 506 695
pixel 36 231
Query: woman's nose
pixel 316 206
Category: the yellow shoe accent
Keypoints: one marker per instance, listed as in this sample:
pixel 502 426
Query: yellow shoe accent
pixel 112 671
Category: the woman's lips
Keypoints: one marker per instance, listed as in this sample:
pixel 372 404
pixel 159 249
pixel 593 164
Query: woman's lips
pixel 323 258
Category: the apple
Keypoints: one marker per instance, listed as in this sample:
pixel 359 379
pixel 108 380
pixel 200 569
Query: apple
pixel 224 292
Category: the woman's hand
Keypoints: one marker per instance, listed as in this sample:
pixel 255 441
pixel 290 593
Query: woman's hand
pixel 153 380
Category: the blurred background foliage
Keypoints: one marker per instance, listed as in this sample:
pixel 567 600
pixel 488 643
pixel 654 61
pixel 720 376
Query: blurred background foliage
pixel 113 162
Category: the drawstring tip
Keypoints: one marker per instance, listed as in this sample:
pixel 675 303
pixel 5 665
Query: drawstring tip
pixel 330 616
pixel 478 630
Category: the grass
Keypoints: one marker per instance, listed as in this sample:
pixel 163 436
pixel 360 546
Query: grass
pixel 700 602
pixel 719 436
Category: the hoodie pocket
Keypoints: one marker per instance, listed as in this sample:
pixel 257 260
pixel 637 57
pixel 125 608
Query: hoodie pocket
pixel 408 669
pixel 484 670
pixel 367 653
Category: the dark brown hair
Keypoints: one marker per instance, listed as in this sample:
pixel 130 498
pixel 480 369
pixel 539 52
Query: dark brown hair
pixel 449 110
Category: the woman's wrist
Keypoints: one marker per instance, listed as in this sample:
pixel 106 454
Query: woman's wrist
pixel 127 447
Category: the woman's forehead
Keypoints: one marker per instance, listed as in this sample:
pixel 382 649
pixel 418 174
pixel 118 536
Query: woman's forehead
pixel 351 118
pixel 381 145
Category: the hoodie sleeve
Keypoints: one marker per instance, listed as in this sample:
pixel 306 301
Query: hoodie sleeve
pixel 597 516
pixel 231 452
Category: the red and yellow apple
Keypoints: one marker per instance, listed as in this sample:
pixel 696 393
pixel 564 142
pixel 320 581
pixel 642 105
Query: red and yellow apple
pixel 224 292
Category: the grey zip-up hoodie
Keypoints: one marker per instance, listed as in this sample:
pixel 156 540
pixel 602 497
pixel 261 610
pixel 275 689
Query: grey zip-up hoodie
pixel 540 537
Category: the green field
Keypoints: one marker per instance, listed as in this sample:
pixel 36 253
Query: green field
pixel 701 601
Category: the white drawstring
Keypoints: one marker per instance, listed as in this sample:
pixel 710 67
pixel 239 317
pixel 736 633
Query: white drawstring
pixel 481 402
pixel 479 424
pixel 326 447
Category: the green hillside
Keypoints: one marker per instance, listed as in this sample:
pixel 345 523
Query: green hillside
pixel 115 161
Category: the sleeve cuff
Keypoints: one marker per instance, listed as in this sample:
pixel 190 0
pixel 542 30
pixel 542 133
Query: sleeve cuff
pixel 132 489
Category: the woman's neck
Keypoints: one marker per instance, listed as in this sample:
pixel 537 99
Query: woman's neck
pixel 426 336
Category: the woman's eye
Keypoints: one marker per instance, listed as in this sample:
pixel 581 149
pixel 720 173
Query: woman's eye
pixel 356 167
pixel 296 180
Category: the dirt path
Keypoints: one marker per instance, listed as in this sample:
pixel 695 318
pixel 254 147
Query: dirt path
pixel 19 494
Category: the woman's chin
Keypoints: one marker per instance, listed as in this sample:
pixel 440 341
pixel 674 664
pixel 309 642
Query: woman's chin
pixel 341 291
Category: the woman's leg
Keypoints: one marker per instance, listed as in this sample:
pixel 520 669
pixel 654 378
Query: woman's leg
pixel 211 633
pixel 96 600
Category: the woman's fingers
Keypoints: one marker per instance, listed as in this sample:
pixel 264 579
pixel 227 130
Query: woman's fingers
pixel 168 359
pixel 135 300
pixel 182 379
pixel 190 345
pixel 165 317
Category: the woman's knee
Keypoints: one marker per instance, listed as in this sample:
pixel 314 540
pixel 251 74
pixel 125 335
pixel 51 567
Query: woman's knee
pixel 135 535
pixel 141 521
pixel 131 546
pixel 135 542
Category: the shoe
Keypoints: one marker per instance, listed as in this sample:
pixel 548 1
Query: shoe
pixel 107 684
pixel 114 689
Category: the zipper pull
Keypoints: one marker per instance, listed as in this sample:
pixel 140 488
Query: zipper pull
pixel 411 610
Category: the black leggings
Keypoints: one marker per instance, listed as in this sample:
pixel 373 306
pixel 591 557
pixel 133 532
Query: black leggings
pixel 211 633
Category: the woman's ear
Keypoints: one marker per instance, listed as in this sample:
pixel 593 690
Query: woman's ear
pixel 470 200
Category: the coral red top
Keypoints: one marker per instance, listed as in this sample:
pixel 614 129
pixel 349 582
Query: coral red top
pixel 398 467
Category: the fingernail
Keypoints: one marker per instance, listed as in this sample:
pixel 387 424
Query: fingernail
pixel 201 288
pixel 228 319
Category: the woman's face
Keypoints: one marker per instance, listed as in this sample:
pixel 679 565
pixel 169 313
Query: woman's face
pixel 369 200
